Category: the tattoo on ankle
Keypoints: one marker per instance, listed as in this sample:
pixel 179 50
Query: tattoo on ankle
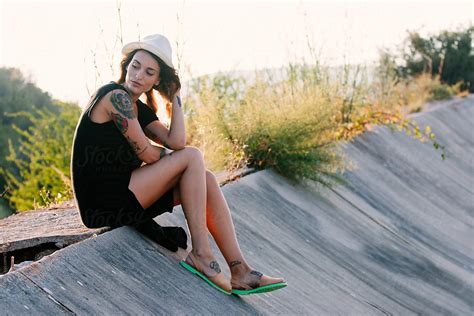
pixel 234 263
pixel 215 266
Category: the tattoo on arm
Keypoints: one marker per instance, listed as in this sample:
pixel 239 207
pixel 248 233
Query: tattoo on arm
pixel 136 148
pixel 123 104
pixel 142 151
pixel 154 137
pixel 179 100
pixel 120 121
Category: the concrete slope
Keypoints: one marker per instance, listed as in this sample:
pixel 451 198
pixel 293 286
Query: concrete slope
pixel 396 239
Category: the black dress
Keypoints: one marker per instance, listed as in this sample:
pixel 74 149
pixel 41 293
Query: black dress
pixel 101 167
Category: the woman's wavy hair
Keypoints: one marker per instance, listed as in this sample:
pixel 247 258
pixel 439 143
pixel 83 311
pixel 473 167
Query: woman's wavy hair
pixel 169 81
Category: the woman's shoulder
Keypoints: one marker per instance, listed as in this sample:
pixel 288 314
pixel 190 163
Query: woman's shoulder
pixel 109 87
pixel 103 94
pixel 101 101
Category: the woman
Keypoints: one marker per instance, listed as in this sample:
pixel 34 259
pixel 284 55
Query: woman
pixel 113 188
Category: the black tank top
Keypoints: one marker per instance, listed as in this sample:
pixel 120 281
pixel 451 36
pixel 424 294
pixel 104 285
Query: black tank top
pixel 102 159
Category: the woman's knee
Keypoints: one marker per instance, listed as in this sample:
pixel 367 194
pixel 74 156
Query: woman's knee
pixel 194 154
pixel 210 176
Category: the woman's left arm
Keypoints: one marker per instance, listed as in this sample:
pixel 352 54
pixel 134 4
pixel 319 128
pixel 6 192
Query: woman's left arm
pixel 174 137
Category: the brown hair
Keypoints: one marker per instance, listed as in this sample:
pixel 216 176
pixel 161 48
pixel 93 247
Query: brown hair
pixel 169 81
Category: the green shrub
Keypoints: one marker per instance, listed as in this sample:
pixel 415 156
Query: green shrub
pixel 441 91
pixel 39 173
pixel 287 125
pixel 292 124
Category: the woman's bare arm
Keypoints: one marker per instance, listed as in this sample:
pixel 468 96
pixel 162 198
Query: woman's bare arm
pixel 120 109
pixel 174 137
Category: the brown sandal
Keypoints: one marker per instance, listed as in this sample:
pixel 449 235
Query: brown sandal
pixel 254 287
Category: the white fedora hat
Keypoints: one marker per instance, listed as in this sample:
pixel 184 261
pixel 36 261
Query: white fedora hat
pixel 156 44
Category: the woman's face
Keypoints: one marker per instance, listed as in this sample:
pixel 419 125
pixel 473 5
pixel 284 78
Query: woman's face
pixel 142 73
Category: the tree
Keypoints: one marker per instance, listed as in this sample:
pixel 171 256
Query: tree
pixel 17 94
pixel 39 169
pixel 448 55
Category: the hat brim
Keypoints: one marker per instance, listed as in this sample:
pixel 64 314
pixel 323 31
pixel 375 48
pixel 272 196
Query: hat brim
pixel 140 45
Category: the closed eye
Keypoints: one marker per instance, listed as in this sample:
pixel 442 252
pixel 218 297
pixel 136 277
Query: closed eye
pixel 150 71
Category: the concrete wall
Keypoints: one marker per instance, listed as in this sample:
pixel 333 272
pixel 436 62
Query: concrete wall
pixel 396 239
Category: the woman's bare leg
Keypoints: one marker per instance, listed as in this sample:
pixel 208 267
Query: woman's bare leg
pixel 150 182
pixel 185 166
pixel 221 226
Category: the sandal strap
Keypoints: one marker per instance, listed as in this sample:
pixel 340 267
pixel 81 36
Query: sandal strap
pixel 252 285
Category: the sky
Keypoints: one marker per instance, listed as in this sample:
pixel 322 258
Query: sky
pixel 70 48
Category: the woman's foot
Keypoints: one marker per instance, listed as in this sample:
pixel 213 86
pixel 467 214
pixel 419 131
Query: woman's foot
pixel 245 280
pixel 209 267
